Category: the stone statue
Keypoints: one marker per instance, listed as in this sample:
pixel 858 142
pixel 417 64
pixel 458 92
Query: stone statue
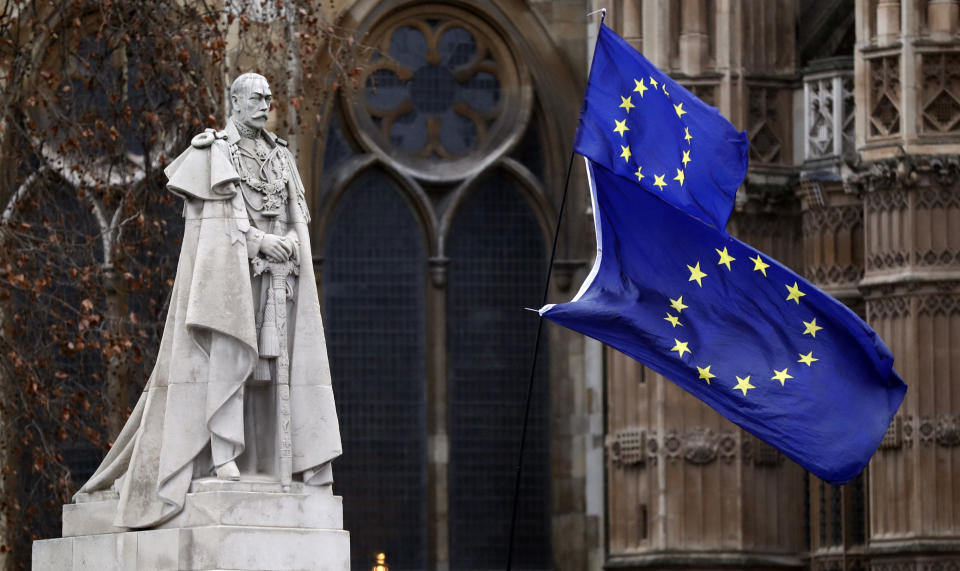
pixel 241 387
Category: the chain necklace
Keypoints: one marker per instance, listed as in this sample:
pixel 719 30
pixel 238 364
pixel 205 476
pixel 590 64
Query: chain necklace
pixel 275 193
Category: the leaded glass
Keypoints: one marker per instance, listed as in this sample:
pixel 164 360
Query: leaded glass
pixel 441 90
pixel 497 258
pixel 374 308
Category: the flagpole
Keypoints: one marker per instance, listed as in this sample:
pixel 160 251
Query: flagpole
pixel 536 347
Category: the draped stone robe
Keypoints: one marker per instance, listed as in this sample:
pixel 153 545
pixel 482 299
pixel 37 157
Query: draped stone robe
pixel 202 385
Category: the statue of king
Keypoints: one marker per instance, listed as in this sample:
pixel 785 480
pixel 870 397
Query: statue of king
pixel 241 387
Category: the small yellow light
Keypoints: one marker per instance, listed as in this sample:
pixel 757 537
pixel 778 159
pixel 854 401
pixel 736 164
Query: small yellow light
pixel 381 563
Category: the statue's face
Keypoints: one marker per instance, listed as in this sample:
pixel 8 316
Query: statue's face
pixel 253 106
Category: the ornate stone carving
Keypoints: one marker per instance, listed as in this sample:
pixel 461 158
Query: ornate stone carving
pixel 939 304
pixel 886 201
pixel 906 171
pixel 834 275
pixel 887 308
pixel 672 445
pixel 820 118
pixel 727 446
pixel 937 198
pixel 628 447
pixel 700 446
pixel 940 112
pixel 886 260
pixel 908 431
pixel 829 115
pixel 936 258
pixel 847 217
pixel 884 94
pixel 948 430
pixel 893 439
pixel 766 143
pixel 926 430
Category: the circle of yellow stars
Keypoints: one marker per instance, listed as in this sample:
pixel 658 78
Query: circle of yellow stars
pixel 620 127
pixel 682 348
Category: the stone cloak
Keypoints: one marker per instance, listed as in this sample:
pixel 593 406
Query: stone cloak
pixel 165 443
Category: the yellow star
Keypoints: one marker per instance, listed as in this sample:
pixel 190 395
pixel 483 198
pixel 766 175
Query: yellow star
pixel 811 327
pixel 626 103
pixel 705 373
pixel 680 347
pixel 665 92
pixel 743 385
pixel 759 265
pixel 677 304
pixel 621 127
pixel 686 134
pixel 795 293
pixel 725 258
pixel 639 174
pixel 640 87
pixel 781 376
pixel 807 359
pixel 679 109
pixel 673 319
pixel 686 158
pixel 658 181
pixel 653 82
pixel 695 274
pixel 625 153
pixel 679 176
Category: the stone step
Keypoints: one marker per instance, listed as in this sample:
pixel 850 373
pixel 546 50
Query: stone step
pixel 216 502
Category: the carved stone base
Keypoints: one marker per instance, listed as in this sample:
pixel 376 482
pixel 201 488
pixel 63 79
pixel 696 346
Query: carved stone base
pixel 246 525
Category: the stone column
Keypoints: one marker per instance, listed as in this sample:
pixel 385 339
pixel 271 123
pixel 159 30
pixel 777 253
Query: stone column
pixel 693 36
pixel 909 178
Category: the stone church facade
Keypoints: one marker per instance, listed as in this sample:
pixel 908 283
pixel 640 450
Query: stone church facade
pixel 853 114
pixel 435 189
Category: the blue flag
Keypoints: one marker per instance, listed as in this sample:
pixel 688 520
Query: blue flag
pixel 755 341
pixel 647 128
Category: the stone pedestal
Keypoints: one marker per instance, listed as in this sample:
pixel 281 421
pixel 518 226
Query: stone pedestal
pixel 246 525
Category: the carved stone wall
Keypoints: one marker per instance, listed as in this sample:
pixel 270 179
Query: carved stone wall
pixel 912 291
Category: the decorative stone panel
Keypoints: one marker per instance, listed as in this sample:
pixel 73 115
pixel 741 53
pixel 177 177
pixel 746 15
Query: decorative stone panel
pixel 884 97
pixel 940 110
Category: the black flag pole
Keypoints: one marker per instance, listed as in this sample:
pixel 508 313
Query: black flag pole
pixel 536 348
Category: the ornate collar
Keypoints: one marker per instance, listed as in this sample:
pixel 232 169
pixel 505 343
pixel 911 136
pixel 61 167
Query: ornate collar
pixel 246 131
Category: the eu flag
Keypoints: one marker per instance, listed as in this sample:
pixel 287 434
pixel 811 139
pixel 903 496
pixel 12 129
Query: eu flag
pixel 755 341
pixel 647 128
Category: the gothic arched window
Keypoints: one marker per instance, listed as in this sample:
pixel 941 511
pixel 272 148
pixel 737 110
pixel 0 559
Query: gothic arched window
pixel 448 110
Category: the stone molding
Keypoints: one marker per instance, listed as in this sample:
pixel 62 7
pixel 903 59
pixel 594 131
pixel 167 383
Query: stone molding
pixel 899 173
pixel 636 447
pixel 932 429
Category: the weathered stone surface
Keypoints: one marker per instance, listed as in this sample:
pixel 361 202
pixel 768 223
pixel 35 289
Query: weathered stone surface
pixel 246 525
pixel 246 548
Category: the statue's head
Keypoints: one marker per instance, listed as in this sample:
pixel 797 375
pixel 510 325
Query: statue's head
pixel 250 100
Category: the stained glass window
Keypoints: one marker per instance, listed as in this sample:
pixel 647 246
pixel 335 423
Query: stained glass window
pixel 373 295
pixel 497 258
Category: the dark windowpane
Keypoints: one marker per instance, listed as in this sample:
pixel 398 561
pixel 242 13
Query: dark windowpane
pixel 374 307
pixel 858 523
pixel 497 259
pixel 836 515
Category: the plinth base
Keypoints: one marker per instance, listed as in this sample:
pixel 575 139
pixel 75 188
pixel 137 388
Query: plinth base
pixel 246 525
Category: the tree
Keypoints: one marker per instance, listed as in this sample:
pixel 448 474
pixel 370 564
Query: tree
pixel 97 99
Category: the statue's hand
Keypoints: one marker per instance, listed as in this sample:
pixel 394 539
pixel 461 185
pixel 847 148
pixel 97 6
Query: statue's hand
pixel 276 248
